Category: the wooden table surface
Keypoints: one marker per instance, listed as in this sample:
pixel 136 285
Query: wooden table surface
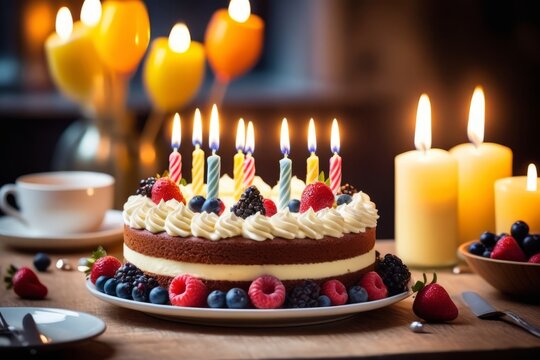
pixel 380 333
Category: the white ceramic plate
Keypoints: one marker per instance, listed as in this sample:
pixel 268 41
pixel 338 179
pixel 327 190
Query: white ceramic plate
pixel 16 234
pixel 57 326
pixel 248 317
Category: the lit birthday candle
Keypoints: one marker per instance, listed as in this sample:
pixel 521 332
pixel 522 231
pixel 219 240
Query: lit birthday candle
pixel 249 162
pixel 313 161
pixel 335 161
pixel 285 167
pixel 238 170
pixel 197 167
pixel 214 161
pixel 175 159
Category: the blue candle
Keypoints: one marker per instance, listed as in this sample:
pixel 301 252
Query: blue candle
pixel 214 161
pixel 285 168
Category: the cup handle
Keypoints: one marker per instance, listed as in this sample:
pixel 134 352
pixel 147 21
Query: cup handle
pixel 5 206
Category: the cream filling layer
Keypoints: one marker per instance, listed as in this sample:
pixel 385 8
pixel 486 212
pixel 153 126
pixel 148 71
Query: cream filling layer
pixel 226 272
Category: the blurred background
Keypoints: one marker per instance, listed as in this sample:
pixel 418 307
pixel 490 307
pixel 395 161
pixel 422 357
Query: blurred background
pixel 364 62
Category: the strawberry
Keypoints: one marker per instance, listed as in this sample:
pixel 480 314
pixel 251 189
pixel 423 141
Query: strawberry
pixel 106 266
pixel 317 196
pixel 269 207
pixel 166 189
pixel 186 290
pixel 432 303
pixel 267 292
pixel 336 292
pixel 25 283
pixel 535 259
pixel 507 248
pixel 374 286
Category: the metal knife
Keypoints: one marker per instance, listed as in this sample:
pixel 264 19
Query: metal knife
pixel 30 331
pixel 483 310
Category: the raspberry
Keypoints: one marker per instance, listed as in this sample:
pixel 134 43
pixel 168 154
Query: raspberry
pixel 186 290
pixel 270 207
pixel 336 291
pixel 374 286
pixel 267 292
pixel 508 249
pixel 106 265
pixel 535 259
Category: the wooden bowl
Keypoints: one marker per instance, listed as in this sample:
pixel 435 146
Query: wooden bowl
pixel 511 277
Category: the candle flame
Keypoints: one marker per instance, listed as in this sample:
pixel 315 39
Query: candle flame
pixel 64 23
pixel 477 114
pixel 176 132
pixel 179 38
pixel 196 138
pixel 335 141
pixel 213 138
pixel 312 139
pixel 422 134
pixel 91 12
pixel 250 139
pixel 532 183
pixel 240 135
pixel 239 10
pixel 284 139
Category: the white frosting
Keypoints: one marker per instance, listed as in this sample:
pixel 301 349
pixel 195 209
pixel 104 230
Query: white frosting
pixel 228 225
pixel 178 222
pixel 155 218
pixel 257 227
pixel 333 222
pixel 310 225
pixel 285 225
pixel 138 217
pixel 133 202
pixel 264 188
pixel 203 225
pixel 359 214
pixel 172 204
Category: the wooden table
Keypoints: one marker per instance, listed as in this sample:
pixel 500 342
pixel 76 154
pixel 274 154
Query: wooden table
pixel 380 333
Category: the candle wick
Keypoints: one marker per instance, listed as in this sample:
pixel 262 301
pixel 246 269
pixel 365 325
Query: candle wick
pixel 285 155
pixel 213 152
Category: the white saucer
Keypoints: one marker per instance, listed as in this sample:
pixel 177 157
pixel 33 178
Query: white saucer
pixel 16 234
pixel 58 326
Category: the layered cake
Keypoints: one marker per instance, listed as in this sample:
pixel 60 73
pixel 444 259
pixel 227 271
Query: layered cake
pixel 230 246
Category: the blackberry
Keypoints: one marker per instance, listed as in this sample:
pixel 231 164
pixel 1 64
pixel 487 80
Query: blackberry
pixel 305 295
pixel 144 284
pixel 348 189
pixel 128 273
pixel 249 204
pixel 145 187
pixel 393 272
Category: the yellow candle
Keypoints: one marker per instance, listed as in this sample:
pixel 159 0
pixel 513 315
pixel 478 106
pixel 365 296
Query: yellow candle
pixel 238 170
pixel 312 173
pixel 426 187
pixel 174 69
pixel 197 160
pixel 480 164
pixel 72 57
pixel 518 198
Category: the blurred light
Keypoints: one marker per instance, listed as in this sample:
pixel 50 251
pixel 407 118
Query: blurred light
pixel 422 134
pixel 91 12
pixel 179 38
pixel 239 10
pixel 64 23
pixel 477 115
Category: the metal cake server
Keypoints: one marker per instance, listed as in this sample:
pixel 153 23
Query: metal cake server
pixel 483 310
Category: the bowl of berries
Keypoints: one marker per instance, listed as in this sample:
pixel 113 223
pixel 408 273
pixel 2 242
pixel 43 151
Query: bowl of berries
pixel 509 262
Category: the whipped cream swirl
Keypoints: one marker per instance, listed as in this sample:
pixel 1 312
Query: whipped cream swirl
pixel 203 225
pixel 311 225
pixel 228 225
pixel 333 222
pixel 155 218
pixel 359 214
pixel 257 227
pixel 133 203
pixel 178 222
pixel 285 225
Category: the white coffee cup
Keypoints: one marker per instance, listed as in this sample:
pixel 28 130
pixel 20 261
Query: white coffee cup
pixel 63 202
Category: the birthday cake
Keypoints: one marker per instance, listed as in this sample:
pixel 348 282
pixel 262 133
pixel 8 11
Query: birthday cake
pixel 169 232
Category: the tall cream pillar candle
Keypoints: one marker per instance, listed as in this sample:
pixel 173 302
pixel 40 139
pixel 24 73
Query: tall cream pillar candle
pixel 426 187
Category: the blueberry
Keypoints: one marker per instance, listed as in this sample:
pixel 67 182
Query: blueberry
pixel 122 291
pixel 100 283
pixel 216 299
pixel 138 294
pixel 42 261
pixel 488 239
pixel 357 294
pixel 324 301
pixel 159 295
pixel 343 199
pixel 110 286
pixel 486 254
pixel 196 203
pixel 477 248
pixel 531 244
pixel 211 206
pixel 294 205
pixel 519 230
pixel 236 298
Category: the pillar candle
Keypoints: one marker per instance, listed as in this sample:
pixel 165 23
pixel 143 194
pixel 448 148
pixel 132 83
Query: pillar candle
pixel 285 168
pixel 214 161
pixel 175 159
pixel 249 162
pixel 238 170
pixel 197 162
pixel 480 164
pixel 518 198
pixel 426 187
pixel 312 173
pixel 335 160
